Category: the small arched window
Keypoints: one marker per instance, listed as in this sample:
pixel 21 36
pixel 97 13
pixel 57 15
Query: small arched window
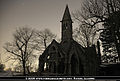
pixel 48 57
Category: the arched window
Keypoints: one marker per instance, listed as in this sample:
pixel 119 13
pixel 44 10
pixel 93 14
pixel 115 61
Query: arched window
pixel 46 66
pixel 48 57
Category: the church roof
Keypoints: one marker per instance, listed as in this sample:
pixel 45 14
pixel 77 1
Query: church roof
pixel 77 45
pixel 67 46
pixel 66 15
pixel 55 43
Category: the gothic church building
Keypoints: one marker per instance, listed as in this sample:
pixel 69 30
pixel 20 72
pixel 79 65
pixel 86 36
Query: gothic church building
pixel 68 57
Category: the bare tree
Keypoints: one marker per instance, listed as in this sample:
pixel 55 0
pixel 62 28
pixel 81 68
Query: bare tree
pixel 105 11
pixel 85 35
pixel 43 38
pixel 22 48
pixel 86 32
pixel 96 11
pixel 99 9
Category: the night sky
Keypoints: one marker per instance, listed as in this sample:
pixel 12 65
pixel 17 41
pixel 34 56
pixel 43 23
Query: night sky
pixel 38 14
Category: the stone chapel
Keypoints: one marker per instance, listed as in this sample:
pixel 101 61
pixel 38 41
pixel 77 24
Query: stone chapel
pixel 68 58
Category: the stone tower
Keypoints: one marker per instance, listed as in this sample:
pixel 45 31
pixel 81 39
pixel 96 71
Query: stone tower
pixel 66 25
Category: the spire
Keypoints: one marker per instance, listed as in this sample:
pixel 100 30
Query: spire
pixel 66 15
pixel 66 25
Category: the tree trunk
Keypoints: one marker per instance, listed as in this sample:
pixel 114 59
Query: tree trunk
pixel 24 71
pixel 28 69
pixel 99 53
pixel 45 43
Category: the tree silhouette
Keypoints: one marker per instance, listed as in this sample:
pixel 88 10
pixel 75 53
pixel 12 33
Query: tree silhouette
pixel 43 38
pixel 104 12
pixel 21 49
pixel 85 35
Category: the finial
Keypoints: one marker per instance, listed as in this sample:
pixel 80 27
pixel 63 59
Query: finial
pixel 66 5
pixel 66 15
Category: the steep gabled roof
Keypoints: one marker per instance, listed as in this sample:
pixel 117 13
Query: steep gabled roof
pixel 76 44
pixel 66 15
pixel 54 42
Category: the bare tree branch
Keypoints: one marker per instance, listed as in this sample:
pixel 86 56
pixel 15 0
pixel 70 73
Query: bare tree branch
pixel 21 48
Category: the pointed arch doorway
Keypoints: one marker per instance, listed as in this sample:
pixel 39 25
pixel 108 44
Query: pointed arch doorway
pixel 76 66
